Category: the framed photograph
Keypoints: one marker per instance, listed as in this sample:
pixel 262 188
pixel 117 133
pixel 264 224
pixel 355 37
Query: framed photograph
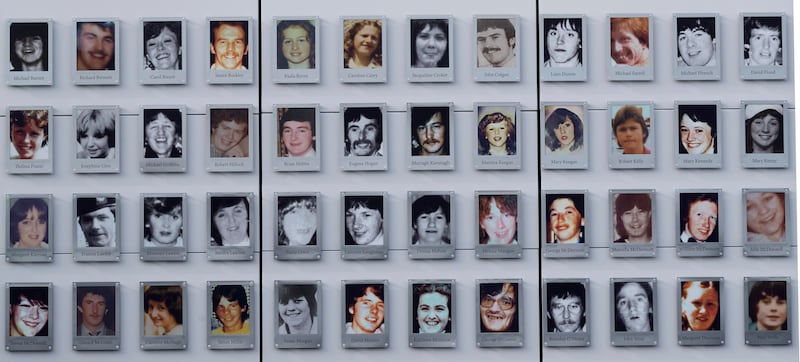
pixel 97 139
pixel 564 217
pixel 633 223
pixel 498 58
pixel 96 43
pixel 765 42
pixel 699 134
pixel 164 139
pixel 631 144
pixel 564 146
pixel 29 327
pixel 432 310
pixel 499 135
pixel 232 228
pixel 164 229
pixel 430 38
pixel 697 47
pixel 297 53
pixel 767 231
pixel 766 144
pixel 500 309
pixel 31 43
pixel 364 55
pixel 365 231
pixel 633 312
pixel 565 313
pixel 230 60
pixel 96 227
pixel 298 314
pixel 30 150
pixel 700 305
pixel 97 317
pixel 768 319
pixel 232 315
pixel 365 147
pixel 565 39
pixel 630 43
pixel 431 133
pixel 432 232
pixel 499 229
pixel 699 215
pixel 296 141
pixel 163 55
pixel 365 323
pixel 29 228
pixel 164 314
pixel 232 138
pixel 297 219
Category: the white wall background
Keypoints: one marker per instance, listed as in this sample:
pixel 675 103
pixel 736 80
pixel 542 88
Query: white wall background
pixel 464 180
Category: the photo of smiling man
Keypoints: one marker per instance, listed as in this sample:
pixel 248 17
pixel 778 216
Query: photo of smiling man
pixel 499 313
pixel 96 42
pixel 229 51
pixel 365 314
pixel 363 134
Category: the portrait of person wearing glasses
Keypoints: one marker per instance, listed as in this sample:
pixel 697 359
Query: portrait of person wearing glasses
pixel 498 307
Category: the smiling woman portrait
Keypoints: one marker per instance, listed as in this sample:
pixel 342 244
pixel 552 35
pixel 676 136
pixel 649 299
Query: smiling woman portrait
pixel 296 44
pixel 362 43
pixel 429 43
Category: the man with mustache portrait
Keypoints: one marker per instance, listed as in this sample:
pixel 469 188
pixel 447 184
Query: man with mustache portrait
pixel 429 131
pixel 95 46
pixel 497 43
pixel 363 131
pixel 566 309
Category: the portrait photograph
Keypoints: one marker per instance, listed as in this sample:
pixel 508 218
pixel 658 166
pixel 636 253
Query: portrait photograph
pixel 499 313
pixel 28 222
pixel 162 129
pixel 163 221
pixel 631 144
pixel 163 54
pixel 497 219
pixel 96 139
pixel 698 142
pixel 231 306
pixel 430 39
pixel 29 327
pixel 497 58
pixel 430 136
pixel 363 58
pixel 30 47
pixel 230 136
pixel 30 150
pixel 768 311
pixel 96 316
pixel 296 130
pixel 364 221
pixel 230 59
pixel 497 135
pixel 632 223
pixel 565 312
pixel 432 314
pixel 699 213
pixel 765 142
pixel 696 47
pixel 365 314
pixel 296 54
pixel 364 145
pixel 231 226
pixel 97 230
pixel 565 223
pixel 630 56
pixel 96 45
pixel 767 231
pixel 163 307
pixel 430 219
pixel 563 53
pixel 298 311
pixel 633 304
pixel 564 129
pixel 297 219
pixel 700 311
pixel 763 39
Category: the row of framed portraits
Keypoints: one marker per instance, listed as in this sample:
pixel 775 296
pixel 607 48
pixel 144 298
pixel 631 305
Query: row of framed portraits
pixel 97 310
pixel 364 53
pixel 162 59
pixel 565 220
pixel 231 233
pixel 565 313
pixel 232 136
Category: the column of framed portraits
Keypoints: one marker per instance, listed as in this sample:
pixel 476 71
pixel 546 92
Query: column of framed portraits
pixel 659 189
pixel 120 252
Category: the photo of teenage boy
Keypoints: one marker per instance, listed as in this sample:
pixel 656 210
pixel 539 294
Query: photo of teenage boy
pixel 563 38
pixel 96 42
pixel 430 131
pixel 697 42
pixel 762 41
pixel 768 306
pixel 364 309
pixel 28 131
pixel 699 216
pixel 297 132
pixel 364 220
pixel 96 134
pixel 631 128
pixel 633 306
pixel 28 47
pixel 229 45
pixel 231 310
pixel 565 219
pixel 96 314
pixel 229 132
